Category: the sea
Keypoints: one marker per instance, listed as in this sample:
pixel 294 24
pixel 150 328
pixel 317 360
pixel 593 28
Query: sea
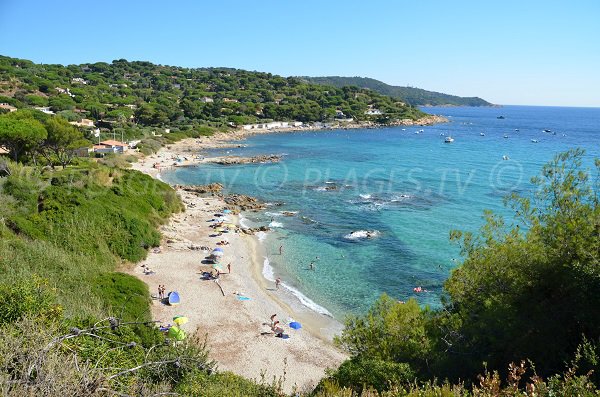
pixel 363 212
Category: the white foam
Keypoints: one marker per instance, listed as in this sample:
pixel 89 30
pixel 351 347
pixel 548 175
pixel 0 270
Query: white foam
pixel 243 222
pixel 365 196
pixel 159 177
pixel 275 224
pixel 362 234
pixel 399 198
pixel 261 236
pixel 306 301
pixel 321 189
pixel 273 214
pixel 267 271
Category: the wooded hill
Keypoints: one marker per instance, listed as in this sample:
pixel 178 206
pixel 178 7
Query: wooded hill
pixel 146 94
pixel 410 95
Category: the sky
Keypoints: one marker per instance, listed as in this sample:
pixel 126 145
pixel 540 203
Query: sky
pixel 525 52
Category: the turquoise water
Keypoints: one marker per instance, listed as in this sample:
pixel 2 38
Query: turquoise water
pixel 410 188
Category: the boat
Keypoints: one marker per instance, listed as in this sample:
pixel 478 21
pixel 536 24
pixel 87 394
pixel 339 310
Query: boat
pixel 173 298
pixel 481 134
pixel 534 141
pixel 547 130
pixel 501 117
pixel 448 139
pixel 505 157
pixel 516 130
pixel 505 136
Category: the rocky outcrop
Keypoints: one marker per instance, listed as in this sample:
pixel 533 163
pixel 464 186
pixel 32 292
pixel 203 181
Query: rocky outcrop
pixel 254 230
pixel 211 188
pixel 271 158
pixel 240 202
pixel 428 120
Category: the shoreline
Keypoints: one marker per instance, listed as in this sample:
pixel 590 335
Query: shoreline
pixel 235 329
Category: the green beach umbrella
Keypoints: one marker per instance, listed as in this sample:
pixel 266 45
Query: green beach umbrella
pixel 176 333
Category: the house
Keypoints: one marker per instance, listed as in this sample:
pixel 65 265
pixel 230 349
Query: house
pixel 339 113
pixel 111 146
pixel 44 109
pixel 83 151
pixel 78 80
pixel 206 99
pixel 83 123
pixel 230 100
pixel 3 151
pixel 8 107
pixel 373 112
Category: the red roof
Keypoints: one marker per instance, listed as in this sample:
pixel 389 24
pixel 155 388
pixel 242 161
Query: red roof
pixel 113 143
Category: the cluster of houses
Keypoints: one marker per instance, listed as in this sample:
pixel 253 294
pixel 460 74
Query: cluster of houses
pixel 272 125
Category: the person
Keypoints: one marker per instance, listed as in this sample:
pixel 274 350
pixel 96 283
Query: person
pixel 277 282
pixel 273 320
pixel 229 268
pixel 312 266
pixel 280 249
pixel 160 293
pixel 277 330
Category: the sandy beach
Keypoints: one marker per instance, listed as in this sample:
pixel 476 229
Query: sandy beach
pixel 238 329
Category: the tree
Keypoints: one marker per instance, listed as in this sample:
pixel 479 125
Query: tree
pixel 20 135
pixel 61 141
pixel 530 291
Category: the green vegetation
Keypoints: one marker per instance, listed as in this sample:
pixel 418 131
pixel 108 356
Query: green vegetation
pixel 139 97
pixel 409 95
pixel 526 291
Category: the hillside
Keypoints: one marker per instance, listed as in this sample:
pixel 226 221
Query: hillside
pixel 125 94
pixel 409 95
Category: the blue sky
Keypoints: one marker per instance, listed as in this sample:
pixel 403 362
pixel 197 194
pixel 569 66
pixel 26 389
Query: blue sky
pixel 508 52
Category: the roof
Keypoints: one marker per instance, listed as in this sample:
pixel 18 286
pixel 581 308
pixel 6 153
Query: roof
pixel 113 143
pixel 3 151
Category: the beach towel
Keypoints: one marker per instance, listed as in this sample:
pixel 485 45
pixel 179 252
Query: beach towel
pixel 243 298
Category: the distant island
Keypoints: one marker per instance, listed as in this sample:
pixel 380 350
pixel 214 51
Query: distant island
pixel 410 95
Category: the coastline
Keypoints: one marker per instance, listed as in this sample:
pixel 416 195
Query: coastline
pixel 234 328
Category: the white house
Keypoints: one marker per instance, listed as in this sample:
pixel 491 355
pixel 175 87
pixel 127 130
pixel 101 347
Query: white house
pixel 8 107
pixel 44 109
pixel 206 99
pixel 111 146
pixel 373 112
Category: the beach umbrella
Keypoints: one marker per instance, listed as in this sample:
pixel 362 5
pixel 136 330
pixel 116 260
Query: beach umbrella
pixel 218 249
pixel 180 320
pixel 217 253
pixel 176 333
pixel 295 325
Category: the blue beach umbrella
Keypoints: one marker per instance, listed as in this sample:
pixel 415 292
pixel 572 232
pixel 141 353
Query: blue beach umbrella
pixel 218 249
pixel 295 325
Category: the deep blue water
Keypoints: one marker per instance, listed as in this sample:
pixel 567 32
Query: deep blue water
pixel 413 189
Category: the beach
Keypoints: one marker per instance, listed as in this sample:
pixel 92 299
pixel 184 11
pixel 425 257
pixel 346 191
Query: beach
pixel 235 313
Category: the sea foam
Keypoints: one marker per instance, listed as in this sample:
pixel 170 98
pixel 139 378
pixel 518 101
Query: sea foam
pixel 362 234
pixel 275 224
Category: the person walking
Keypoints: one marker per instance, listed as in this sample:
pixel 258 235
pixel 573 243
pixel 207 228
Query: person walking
pixel 229 268
pixel 277 282
pixel 280 249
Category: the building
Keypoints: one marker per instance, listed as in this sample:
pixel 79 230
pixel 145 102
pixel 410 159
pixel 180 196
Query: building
pixel 373 112
pixel 83 123
pixel 206 99
pixel 3 151
pixel 111 146
pixel 8 107
pixel 44 109
pixel 78 80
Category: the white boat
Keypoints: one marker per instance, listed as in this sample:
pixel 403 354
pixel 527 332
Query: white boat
pixel 481 134
pixel 534 141
pixel 505 157
pixel 448 139
pixel 505 136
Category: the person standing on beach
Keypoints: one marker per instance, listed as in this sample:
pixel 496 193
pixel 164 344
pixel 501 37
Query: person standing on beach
pixel 229 268
pixel 160 293
pixel 280 249
pixel 277 282
pixel 273 320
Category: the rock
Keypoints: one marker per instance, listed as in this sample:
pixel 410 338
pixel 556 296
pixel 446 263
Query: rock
pixel 240 202
pixel 272 158
pixel 201 189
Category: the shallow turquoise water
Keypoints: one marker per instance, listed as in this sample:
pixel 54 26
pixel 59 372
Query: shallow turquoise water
pixel 412 188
